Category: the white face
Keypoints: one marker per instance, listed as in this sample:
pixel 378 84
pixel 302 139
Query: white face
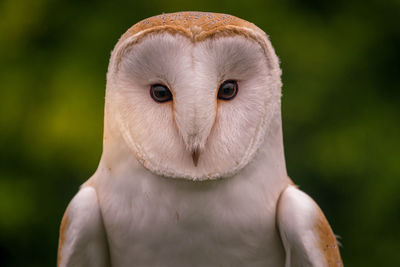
pixel 194 135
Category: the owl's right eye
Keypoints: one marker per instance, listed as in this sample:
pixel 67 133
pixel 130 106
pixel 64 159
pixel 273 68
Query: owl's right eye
pixel 160 93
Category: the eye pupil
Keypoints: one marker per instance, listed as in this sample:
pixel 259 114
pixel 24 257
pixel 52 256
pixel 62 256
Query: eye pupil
pixel 228 90
pixel 160 93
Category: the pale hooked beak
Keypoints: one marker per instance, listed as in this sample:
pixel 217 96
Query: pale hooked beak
pixel 194 118
pixel 195 156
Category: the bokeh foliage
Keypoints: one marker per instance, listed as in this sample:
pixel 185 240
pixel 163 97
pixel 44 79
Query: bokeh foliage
pixel 340 62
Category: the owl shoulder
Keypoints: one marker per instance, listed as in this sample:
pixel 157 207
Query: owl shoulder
pixel 305 232
pixel 82 240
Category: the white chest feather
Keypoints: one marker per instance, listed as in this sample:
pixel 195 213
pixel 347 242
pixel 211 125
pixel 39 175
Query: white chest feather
pixel 154 221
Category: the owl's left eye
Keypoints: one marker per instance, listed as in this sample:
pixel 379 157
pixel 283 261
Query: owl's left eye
pixel 160 93
pixel 228 90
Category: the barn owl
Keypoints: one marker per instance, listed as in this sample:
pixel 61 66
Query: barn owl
pixel 193 170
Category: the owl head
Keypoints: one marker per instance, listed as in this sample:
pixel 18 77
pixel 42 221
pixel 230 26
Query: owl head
pixel 192 94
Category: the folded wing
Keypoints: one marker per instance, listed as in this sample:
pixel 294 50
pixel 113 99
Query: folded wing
pixel 306 235
pixel 82 237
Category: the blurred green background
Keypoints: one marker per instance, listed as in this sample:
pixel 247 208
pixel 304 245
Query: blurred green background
pixel 341 111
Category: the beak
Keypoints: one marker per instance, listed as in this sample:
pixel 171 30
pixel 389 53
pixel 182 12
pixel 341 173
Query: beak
pixel 194 119
pixel 195 156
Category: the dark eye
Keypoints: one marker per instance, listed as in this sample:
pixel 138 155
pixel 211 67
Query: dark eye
pixel 228 90
pixel 160 93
